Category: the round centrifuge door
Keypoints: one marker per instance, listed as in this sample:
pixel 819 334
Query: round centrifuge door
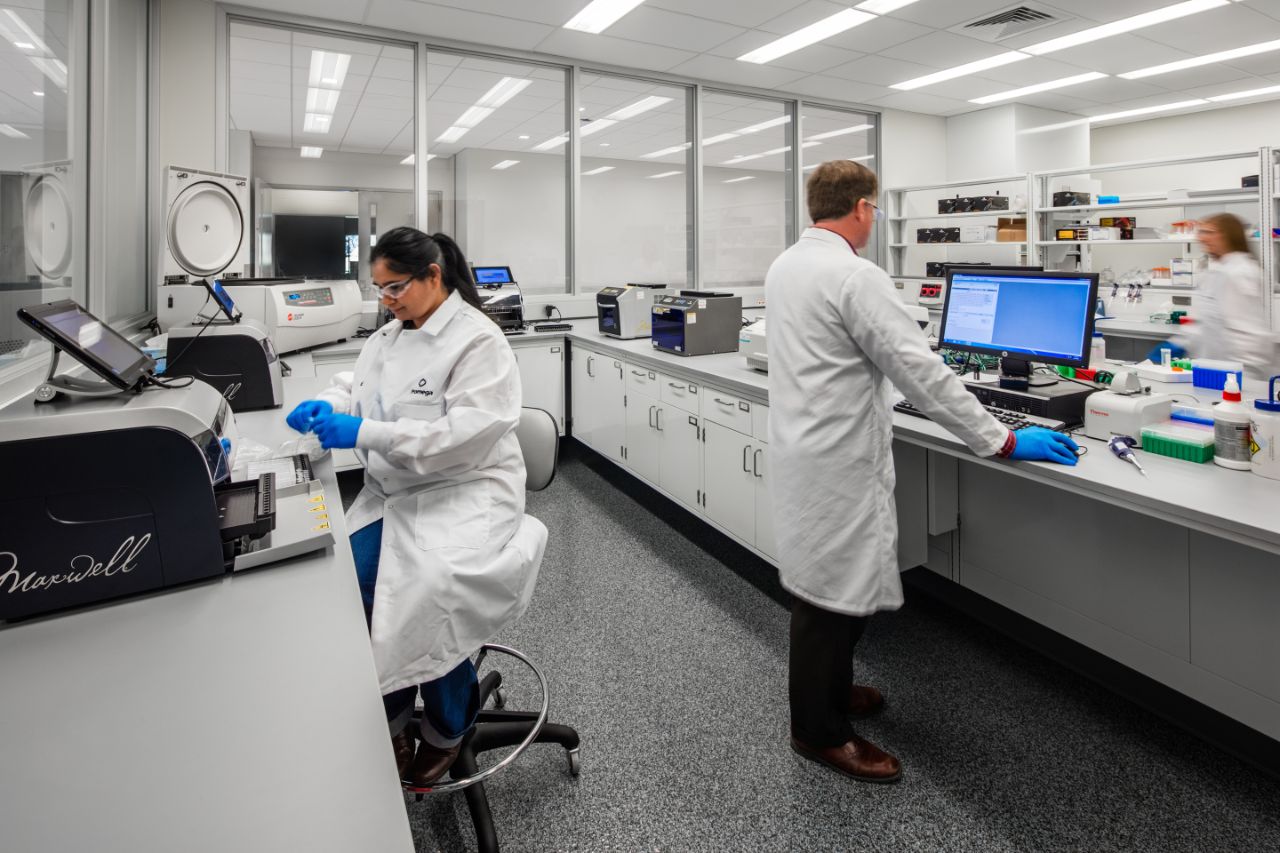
pixel 206 227
pixel 47 216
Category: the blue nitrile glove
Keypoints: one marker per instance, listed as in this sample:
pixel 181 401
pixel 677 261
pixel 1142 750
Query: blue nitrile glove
pixel 1154 356
pixel 337 431
pixel 305 413
pixel 1038 443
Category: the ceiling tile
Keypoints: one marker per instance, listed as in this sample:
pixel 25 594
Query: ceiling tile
pixel 1117 54
pixel 942 50
pixel 337 10
pixel 730 71
pixel 657 26
pixel 879 70
pixel 743 13
pixel 614 51
pixel 875 36
pixel 1037 69
pixel 835 89
pixel 553 12
pixel 801 15
pixel 1214 30
pixel 445 22
pixel 812 59
pixel 921 102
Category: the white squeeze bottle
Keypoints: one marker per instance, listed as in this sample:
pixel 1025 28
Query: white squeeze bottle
pixel 1232 442
pixel 1098 351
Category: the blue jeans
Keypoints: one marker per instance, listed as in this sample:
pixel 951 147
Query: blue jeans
pixel 451 702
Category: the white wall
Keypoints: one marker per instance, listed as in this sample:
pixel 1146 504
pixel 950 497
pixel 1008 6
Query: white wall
pixel 980 144
pixel 643 239
pixel 285 167
pixel 913 149
pixel 187 87
pixel 314 202
pixel 743 226
pixel 1209 132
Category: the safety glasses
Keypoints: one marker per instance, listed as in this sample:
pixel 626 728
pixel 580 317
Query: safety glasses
pixel 392 290
pixel 879 214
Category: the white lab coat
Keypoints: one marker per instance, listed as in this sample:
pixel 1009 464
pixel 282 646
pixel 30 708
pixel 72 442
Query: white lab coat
pixel 837 335
pixel 443 469
pixel 1227 316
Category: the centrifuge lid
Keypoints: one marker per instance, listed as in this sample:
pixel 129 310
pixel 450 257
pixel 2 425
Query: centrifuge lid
pixel 48 226
pixel 206 228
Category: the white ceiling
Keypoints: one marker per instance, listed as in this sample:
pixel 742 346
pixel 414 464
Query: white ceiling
pixel 20 79
pixel 701 39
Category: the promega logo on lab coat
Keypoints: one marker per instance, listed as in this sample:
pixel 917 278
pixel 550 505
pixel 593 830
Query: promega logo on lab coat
pixel 422 390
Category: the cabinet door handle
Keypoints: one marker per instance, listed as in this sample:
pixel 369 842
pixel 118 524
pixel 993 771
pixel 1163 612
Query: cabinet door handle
pixel 590 358
pixel 659 420
pixel 676 385
pixel 637 373
pixel 651 409
pixel 746 451
pixel 755 462
pixel 724 402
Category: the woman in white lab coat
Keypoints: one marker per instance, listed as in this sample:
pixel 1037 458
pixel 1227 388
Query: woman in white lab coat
pixel 1227 313
pixel 445 556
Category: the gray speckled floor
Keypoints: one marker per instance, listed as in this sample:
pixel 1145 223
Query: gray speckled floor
pixel 669 658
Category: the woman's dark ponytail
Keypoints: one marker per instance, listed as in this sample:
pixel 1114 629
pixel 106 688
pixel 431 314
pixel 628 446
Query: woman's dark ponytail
pixel 408 251
pixel 457 272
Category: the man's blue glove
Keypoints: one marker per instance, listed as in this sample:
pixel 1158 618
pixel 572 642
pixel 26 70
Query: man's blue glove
pixel 305 413
pixel 1155 357
pixel 1038 443
pixel 337 431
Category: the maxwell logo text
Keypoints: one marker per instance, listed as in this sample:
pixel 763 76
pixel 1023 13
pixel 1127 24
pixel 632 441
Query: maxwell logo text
pixel 82 568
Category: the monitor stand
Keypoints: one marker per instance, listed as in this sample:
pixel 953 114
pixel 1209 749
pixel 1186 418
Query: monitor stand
pixel 75 386
pixel 1016 375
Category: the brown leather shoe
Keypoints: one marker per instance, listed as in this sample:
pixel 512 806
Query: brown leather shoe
pixel 858 759
pixel 864 701
pixel 431 763
pixel 402 746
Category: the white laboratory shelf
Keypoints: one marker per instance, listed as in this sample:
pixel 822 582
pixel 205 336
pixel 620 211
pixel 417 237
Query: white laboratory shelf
pixel 1156 242
pixel 1020 243
pixel 1155 203
pixel 970 215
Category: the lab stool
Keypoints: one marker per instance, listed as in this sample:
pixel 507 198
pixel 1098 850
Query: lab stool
pixel 497 728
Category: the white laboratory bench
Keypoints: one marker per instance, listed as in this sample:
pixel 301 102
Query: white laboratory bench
pixel 238 714
pixel 1175 575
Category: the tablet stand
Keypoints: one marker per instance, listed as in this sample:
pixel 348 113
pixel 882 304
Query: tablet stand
pixel 75 386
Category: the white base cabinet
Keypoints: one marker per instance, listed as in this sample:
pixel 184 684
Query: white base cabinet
pixel 542 377
pixel 598 403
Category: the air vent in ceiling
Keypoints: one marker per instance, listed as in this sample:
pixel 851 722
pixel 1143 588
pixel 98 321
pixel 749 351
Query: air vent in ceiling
pixel 1013 21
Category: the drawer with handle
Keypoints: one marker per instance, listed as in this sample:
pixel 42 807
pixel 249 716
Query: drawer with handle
pixel 642 380
pixel 680 393
pixel 726 409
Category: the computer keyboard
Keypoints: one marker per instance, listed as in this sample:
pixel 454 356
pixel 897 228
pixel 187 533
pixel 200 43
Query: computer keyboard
pixel 553 327
pixel 1013 420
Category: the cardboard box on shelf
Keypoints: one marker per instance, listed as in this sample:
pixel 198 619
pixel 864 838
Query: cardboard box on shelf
pixel 1011 229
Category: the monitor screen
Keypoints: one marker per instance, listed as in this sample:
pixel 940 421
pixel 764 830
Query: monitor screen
pixel 492 275
pixel 224 300
pixel 1036 316
pixel 90 341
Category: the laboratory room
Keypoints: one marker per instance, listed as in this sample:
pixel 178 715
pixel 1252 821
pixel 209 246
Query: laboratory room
pixel 639 425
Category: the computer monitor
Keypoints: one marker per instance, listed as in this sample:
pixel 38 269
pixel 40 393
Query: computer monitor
pixel 492 275
pixel 223 299
pixel 1044 317
pixel 90 341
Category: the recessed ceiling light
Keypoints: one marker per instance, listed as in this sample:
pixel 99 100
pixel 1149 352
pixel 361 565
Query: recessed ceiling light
pixel 765 125
pixel 582 109
pixel 1038 87
pixel 524 136
pixel 742 158
pixel 328 69
pixel 641 106
pixel 1249 93
pixel 501 92
pixel 316 123
pixel 37 93
pixel 1125 25
pixel 600 171
pixel 844 131
pixel 883 7
pixel 739 180
pixel 596 126
pixel 505 164
pixel 845 19
pixel 724 137
pixel 12 132
pixel 666 174
pixel 1142 111
pixel 54 69
pixel 598 15
pixel 409 161
pixel 674 149
pixel 604 144
pixel 16 30
pixel 1207 59
pixel 1134 22
pixel 452 134
pixel 553 142
pixel 322 100
pixel 311 152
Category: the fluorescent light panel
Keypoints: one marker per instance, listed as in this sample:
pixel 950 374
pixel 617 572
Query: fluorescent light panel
pixel 739 180
pixel 316 123
pixel 1142 111
pixel 666 174
pixel 553 142
pixel 674 149
pixel 54 69
pixel 472 116
pixel 883 7
pixel 12 132
pixel 962 70
pixel 1249 93
pixel 328 69
pixel 322 100
pixel 599 171
pixel 846 19
pixel 642 106
pixel 505 164
pixel 832 134
pixel 1125 25
pixel 503 91
pixel 411 159
pixel 598 15
pixel 1039 87
pixel 452 134
pixel 15 29
pixel 596 126
pixel 1207 59
pixel 311 152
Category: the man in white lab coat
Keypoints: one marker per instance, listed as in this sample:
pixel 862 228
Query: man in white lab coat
pixel 837 335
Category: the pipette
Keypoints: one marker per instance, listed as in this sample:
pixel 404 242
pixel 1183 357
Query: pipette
pixel 1122 446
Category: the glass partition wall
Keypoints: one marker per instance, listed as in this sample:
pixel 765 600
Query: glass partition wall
pixel 669 183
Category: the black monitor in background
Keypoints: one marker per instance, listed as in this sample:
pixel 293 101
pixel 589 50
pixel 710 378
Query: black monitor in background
pixel 1020 316
pixel 948 267
pixel 310 246
pixel 90 341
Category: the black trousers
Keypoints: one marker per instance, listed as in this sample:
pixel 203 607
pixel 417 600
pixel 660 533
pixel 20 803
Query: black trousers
pixel 821 671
